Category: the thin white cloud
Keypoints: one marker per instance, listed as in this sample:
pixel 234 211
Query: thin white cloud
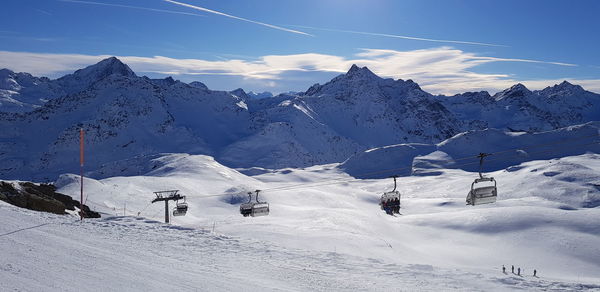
pixel 43 12
pixel 401 36
pixel 236 17
pixel 29 38
pixel 132 7
pixel 528 61
pixel 437 70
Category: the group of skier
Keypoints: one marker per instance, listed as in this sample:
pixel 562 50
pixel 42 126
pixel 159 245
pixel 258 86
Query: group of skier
pixel 391 206
pixel 512 267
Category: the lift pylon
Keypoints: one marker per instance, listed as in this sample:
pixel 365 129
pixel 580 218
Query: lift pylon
pixel 167 196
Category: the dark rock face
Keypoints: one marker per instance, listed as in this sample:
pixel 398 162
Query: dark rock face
pixel 42 197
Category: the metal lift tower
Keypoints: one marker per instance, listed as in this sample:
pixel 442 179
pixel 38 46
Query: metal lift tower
pixel 167 196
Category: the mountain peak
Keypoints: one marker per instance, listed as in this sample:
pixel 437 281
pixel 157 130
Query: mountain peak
pixel 105 68
pixel 518 87
pixel 565 83
pixel 115 66
pixel 353 68
pixel 239 93
pixel 358 71
pixel 516 91
pixel 198 84
pixel 564 88
pixel 6 72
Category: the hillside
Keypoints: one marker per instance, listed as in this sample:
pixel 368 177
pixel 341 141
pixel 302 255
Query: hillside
pixel 321 237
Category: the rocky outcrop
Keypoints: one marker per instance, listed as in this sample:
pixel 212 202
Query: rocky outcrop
pixel 42 197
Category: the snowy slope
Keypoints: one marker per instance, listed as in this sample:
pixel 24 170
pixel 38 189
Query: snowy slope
pixel 291 135
pixel 51 253
pixel 545 219
pixel 507 149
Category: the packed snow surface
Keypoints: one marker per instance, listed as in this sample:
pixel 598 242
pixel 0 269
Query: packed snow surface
pixel 325 232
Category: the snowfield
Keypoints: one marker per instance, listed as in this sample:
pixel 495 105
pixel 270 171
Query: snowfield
pixel 325 232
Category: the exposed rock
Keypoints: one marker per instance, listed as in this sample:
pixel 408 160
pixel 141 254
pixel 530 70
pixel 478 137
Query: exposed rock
pixel 42 197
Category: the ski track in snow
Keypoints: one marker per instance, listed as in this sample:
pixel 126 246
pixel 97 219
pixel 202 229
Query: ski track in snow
pixel 136 254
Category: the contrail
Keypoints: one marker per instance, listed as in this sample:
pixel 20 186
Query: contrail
pixel 133 7
pixel 526 61
pixel 236 17
pixel 398 36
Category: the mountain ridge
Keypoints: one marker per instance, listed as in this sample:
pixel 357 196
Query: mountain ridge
pixel 127 116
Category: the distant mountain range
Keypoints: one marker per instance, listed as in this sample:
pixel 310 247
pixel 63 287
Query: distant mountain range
pixel 127 117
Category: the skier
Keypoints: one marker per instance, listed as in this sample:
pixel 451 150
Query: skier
pixel 386 207
pixel 535 273
pixel 503 269
pixel 518 271
pixel 512 269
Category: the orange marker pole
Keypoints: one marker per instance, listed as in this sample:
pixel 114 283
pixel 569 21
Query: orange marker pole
pixel 81 172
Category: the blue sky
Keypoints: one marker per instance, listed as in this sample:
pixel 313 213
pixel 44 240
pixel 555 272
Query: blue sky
pixel 280 45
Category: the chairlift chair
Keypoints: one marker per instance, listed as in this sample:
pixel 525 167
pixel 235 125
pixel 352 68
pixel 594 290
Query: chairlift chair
pixel 482 192
pixel 246 208
pixel 390 201
pixel 259 208
pixel 180 208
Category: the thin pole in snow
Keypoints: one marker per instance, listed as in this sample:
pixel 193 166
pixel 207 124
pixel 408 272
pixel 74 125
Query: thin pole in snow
pixel 81 172
pixel 166 211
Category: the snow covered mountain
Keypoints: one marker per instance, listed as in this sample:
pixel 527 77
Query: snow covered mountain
pixel 519 109
pixel 507 149
pixel 259 95
pixel 19 92
pixel 130 117
pixel 123 116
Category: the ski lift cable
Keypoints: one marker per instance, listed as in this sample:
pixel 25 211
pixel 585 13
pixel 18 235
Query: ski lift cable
pixel 143 209
pixel 534 146
pixel 339 181
pixel 464 164
pixel 401 169
pixel 458 159
pixel 347 180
